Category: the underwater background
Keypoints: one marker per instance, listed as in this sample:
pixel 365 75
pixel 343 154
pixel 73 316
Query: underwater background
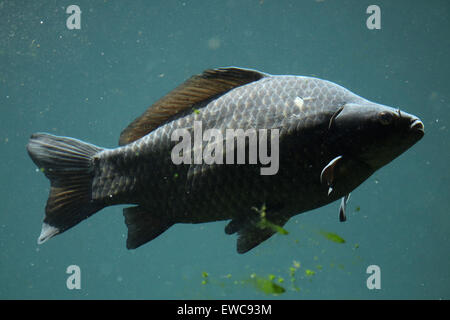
pixel 90 83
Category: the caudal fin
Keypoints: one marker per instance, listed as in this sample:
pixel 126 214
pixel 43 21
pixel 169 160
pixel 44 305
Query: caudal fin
pixel 69 165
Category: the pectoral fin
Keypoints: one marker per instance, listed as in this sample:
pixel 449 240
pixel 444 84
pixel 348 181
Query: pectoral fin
pixel 342 208
pixel 327 174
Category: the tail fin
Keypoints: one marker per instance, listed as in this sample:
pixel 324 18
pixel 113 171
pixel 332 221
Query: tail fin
pixel 69 165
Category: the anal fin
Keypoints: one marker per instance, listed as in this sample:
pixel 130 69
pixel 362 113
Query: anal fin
pixel 143 226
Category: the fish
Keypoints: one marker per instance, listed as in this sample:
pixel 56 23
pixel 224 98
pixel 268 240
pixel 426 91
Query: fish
pixel 329 140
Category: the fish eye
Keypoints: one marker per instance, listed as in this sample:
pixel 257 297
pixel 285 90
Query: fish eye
pixel 385 118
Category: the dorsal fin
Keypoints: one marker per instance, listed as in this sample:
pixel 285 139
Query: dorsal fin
pixel 211 83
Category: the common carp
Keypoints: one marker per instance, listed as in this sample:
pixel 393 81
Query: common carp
pixel 324 141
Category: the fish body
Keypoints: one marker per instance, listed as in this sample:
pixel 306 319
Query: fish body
pixel 328 141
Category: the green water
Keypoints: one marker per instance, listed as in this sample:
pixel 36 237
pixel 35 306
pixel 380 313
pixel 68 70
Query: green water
pixel 90 83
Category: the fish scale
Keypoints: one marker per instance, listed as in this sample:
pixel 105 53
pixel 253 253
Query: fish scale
pixel 330 141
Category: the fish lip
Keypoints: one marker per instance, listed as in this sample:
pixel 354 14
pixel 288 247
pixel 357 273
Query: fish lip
pixel 417 125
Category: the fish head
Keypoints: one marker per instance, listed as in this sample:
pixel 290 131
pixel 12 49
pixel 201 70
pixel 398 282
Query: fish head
pixel 376 134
